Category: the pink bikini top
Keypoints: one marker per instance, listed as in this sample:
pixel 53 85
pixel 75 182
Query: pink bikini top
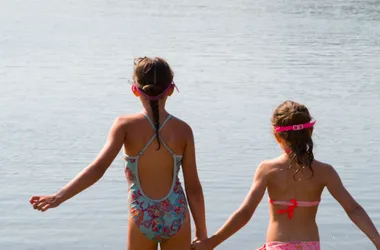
pixel 292 204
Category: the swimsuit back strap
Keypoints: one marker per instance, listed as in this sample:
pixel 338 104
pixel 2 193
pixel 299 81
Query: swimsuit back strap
pixel 154 136
pixel 292 205
pixel 162 140
pixel 149 120
pixel 164 123
pixel 147 145
pixel 166 146
pixel 152 123
pixel 307 203
pixel 299 203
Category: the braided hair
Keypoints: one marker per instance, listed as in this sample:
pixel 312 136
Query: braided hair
pixel 153 76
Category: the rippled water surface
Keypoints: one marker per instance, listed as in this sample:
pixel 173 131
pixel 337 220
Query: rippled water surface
pixel 64 71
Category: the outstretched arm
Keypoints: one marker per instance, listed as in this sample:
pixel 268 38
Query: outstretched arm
pixel 242 216
pixel 90 174
pixel 354 211
pixel 193 187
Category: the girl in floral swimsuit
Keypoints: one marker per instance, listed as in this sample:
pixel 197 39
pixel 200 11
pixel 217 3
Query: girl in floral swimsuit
pixel 295 182
pixel 156 145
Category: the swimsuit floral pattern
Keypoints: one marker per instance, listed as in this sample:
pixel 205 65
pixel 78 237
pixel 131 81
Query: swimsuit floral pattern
pixel 158 220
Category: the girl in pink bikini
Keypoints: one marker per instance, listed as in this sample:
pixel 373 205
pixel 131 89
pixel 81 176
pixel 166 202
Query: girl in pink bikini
pixel 295 182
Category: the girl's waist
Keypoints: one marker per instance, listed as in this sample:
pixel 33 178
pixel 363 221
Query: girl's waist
pixel 176 194
pixel 292 232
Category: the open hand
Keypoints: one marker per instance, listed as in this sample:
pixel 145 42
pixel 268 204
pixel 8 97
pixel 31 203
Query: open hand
pixel 43 203
pixel 201 245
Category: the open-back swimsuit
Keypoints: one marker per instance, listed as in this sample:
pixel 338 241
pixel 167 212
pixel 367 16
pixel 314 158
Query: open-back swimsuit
pixel 158 219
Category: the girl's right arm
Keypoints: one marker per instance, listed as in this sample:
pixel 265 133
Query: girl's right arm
pixel 354 211
pixel 89 175
pixel 193 186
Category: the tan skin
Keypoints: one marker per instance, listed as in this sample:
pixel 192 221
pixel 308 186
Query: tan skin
pixel 275 176
pixel 133 132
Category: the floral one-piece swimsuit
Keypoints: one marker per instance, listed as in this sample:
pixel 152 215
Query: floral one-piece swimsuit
pixel 158 219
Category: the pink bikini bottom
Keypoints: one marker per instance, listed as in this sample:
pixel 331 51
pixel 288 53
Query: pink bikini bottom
pixel 293 245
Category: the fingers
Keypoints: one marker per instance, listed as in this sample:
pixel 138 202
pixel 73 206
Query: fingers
pixel 40 204
pixel 43 203
pixel 194 245
pixel 37 202
pixel 33 199
pixel 46 207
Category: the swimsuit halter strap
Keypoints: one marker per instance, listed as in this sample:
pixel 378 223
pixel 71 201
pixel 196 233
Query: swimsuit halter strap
pixel 154 136
pixel 152 124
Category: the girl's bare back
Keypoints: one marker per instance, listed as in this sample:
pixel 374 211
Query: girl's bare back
pixel 155 166
pixel 306 188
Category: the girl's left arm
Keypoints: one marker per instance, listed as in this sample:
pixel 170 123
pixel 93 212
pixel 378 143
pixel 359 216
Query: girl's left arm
pixel 91 174
pixel 354 211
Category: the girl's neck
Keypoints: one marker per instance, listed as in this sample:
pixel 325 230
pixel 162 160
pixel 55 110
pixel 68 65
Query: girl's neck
pixel 161 110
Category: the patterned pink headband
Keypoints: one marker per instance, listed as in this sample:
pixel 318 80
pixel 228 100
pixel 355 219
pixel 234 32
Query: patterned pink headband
pixel 297 127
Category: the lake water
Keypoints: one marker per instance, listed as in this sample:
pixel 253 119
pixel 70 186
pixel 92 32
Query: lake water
pixel 64 71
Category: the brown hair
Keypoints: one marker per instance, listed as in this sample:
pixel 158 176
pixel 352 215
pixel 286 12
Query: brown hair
pixel 153 76
pixel 299 142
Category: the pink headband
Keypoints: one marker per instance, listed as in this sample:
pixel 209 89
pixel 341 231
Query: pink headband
pixel 279 129
pixel 157 97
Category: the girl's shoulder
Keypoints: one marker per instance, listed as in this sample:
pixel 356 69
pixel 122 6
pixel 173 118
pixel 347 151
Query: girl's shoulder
pixel 184 128
pixel 125 120
pixel 278 164
pixel 181 124
pixel 322 168
pixel 132 121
